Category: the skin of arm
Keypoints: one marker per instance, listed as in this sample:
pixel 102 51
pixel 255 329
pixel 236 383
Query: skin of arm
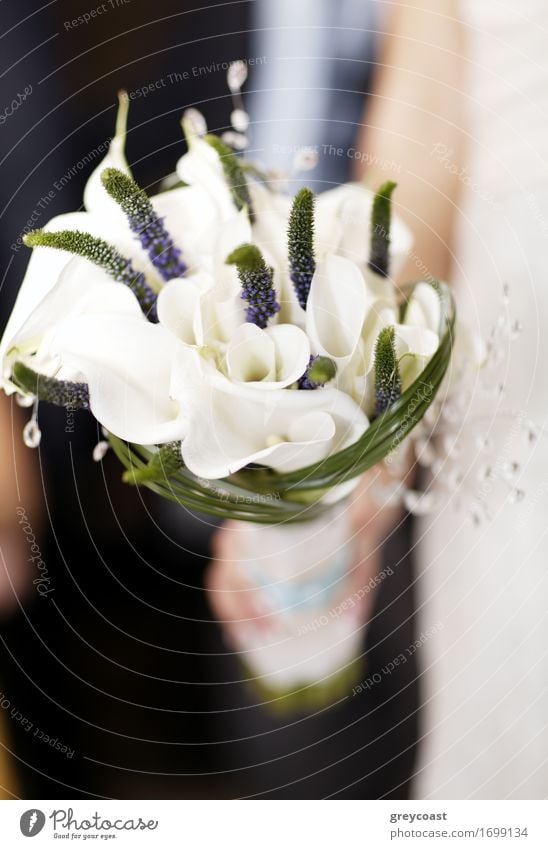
pixel 413 131
pixel 19 490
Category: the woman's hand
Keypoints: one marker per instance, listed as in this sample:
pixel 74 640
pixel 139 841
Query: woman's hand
pixel 238 605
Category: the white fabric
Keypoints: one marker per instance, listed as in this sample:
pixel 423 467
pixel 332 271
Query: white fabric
pixel 486 670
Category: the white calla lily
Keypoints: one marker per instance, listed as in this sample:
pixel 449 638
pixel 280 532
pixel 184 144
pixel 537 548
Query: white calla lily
pixel 251 356
pixel 47 264
pixel 417 339
pixel 56 282
pixel 202 167
pixel 199 311
pixel 359 379
pixel 191 217
pixel 267 359
pixel 271 211
pixel 96 200
pixel 336 309
pixel 127 363
pixel 42 274
pixel 79 287
pixel 424 307
pixel 381 289
pixel 179 307
pixel 415 346
pixel 229 426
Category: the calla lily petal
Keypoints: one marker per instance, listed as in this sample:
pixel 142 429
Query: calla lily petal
pixel 45 266
pixel 424 307
pixel 80 288
pixel 202 167
pixel 270 224
pixel 191 217
pixel 267 359
pixel 232 425
pixel 378 317
pixel 251 356
pixel 179 309
pixel 198 311
pixel 221 316
pixel 336 309
pixel 416 340
pixel 414 348
pixel 292 352
pixel 96 199
pixel 309 440
pixel 42 274
pixel 127 364
pixel 235 231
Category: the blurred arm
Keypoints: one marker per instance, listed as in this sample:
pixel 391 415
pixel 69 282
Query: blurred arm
pixel 19 488
pixel 413 129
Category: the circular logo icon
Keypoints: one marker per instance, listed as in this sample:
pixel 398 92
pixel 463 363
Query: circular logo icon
pixel 32 822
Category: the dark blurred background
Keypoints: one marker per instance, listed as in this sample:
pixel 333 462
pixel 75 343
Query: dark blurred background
pixel 121 662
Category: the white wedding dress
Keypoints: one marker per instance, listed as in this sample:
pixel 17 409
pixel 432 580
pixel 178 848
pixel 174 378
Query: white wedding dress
pixel 485 585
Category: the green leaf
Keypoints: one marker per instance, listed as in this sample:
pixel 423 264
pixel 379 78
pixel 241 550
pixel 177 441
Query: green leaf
pixel 163 463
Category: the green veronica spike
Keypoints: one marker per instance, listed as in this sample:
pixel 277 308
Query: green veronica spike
pixel 257 281
pixel 380 229
pixel 145 223
pixel 102 254
pixel 300 244
pixel 319 372
pixel 64 393
pixel 387 375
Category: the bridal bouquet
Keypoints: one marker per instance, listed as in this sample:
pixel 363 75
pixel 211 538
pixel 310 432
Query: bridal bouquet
pixel 247 354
